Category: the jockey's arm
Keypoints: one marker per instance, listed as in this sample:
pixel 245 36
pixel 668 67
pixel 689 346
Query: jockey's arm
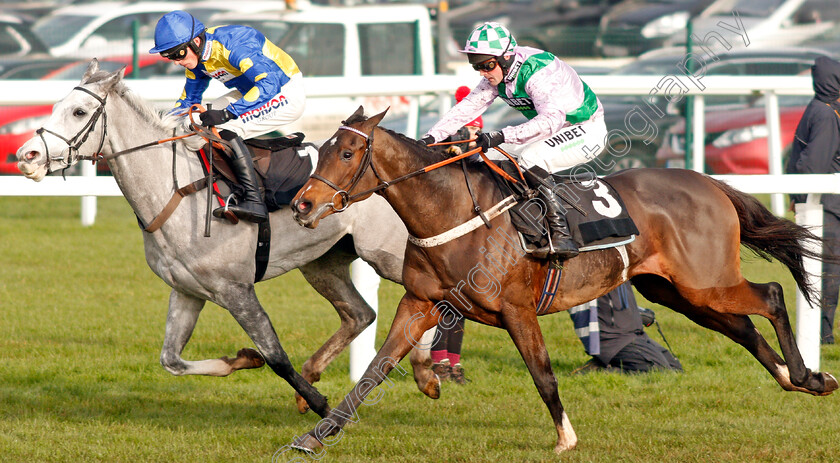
pixel 268 79
pixel 472 106
pixel 193 90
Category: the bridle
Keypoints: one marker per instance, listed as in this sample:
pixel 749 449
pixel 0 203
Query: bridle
pixel 74 143
pixel 347 198
pixel 344 193
pixel 208 134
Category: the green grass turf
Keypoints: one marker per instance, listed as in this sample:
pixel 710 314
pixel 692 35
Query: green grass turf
pixel 82 321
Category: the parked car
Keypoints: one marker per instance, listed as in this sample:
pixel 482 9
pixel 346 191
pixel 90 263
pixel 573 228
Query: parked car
pixel 766 23
pixel 563 27
pixel 349 43
pixel 631 27
pixel 828 41
pixel 32 67
pixel 17 38
pixel 105 28
pixel 735 142
pixel 18 123
pixel 662 62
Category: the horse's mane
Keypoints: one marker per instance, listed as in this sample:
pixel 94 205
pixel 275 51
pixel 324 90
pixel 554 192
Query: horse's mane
pixel 428 154
pixel 157 118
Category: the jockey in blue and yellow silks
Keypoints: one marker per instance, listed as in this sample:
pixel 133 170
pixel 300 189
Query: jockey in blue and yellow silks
pixel 242 59
pixel 267 89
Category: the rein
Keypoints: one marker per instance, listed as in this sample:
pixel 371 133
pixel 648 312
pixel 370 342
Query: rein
pixel 367 161
pixel 210 135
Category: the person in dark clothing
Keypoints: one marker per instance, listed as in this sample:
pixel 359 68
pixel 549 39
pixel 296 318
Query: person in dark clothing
pixel 620 342
pixel 816 147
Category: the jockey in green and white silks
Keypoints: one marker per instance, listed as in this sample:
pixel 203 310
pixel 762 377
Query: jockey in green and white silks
pixel 566 120
pixel 565 124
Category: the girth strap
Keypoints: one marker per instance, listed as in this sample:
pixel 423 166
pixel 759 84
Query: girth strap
pixel 176 198
pixel 465 227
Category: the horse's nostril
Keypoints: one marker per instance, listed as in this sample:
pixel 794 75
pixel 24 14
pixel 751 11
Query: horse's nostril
pixel 31 155
pixel 304 206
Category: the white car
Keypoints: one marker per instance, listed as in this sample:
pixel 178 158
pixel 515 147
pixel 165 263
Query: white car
pixel 347 44
pixel 105 28
pixel 767 23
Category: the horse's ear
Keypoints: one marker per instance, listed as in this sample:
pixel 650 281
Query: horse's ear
pixel 93 66
pixel 110 82
pixel 375 120
pixel 358 114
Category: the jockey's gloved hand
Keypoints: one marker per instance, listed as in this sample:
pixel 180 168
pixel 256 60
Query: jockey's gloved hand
pixel 427 140
pixel 215 117
pixel 489 140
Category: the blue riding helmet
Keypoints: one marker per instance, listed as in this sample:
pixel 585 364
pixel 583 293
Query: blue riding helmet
pixel 174 29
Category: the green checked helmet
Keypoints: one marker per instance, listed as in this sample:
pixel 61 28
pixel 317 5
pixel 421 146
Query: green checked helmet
pixel 491 39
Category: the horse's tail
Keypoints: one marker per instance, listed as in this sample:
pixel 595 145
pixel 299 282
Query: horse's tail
pixel 770 236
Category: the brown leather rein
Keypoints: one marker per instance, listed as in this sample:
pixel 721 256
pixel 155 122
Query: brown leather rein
pixel 367 161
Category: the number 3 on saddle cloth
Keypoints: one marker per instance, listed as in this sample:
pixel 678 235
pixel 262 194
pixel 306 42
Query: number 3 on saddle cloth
pixel 596 214
pixel 283 165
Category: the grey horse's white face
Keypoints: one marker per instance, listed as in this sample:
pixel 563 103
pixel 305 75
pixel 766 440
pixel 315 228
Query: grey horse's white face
pixel 54 148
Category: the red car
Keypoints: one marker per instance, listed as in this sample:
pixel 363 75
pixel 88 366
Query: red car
pixel 18 123
pixel 736 140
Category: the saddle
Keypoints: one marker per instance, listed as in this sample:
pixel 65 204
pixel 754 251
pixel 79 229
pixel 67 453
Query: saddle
pixel 282 164
pixel 596 214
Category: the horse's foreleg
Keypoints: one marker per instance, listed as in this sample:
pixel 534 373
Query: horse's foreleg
pixel 522 325
pixel 241 301
pixel 421 363
pixel 330 276
pixel 180 323
pixel 413 318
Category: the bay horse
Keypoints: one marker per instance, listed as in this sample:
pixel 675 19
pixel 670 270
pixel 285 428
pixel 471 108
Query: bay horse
pixel 686 257
pixel 103 115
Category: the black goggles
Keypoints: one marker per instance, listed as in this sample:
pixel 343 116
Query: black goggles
pixel 486 66
pixel 176 53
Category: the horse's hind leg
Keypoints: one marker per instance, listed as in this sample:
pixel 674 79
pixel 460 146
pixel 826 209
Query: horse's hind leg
pixel 726 312
pixel 180 323
pixel 241 301
pixel 801 378
pixel 522 325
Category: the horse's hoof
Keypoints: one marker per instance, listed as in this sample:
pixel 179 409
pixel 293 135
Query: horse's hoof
pixel 560 448
pixel 250 358
pixel 306 443
pixel 302 406
pixel 830 383
pixel 432 389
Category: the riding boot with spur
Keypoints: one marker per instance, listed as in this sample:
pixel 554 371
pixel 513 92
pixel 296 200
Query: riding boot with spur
pixel 251 208
pixel 560 243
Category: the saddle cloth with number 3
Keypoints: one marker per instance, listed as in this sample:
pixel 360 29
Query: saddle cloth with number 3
pixel 604 221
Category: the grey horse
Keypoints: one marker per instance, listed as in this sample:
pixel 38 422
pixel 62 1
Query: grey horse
pixel 103 115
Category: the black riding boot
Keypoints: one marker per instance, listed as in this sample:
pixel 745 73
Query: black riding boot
pixel 560 243
pixel 251 208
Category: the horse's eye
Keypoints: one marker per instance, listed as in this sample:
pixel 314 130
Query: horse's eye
pixel 79 112
pixel 346 155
